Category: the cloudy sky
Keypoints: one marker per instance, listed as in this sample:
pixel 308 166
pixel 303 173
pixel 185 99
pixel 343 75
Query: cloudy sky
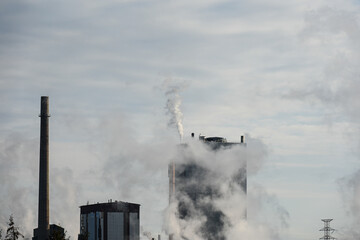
pixel 284 73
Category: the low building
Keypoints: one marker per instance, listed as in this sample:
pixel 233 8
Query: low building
pixel 110 221
pixel 55 232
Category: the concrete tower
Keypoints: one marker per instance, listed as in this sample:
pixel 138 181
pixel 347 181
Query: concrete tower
pixel 44 229
pixel 43 214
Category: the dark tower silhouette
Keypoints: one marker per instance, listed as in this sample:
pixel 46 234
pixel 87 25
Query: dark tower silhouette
pixel 43 214
pixel 44 229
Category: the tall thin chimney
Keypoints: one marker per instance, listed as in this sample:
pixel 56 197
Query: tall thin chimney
pixel 43 215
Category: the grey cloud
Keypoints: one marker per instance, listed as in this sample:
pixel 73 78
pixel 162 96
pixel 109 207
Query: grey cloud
pixel 338 90
pixel 106 56
pixel 340 79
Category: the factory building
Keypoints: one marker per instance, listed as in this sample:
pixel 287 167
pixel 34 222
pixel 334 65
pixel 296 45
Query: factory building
pixel 110 221
pixel 189 186
pixel 180 174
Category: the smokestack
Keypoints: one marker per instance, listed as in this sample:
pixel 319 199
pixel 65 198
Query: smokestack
pixel 43 214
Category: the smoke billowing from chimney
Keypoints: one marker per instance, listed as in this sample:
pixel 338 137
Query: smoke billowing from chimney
pixel 135 172
pixel 210 199
pixel 173 103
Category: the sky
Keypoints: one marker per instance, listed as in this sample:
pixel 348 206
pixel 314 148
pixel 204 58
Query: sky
pixel 283 73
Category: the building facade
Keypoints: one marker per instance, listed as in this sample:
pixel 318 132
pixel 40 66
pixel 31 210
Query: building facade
pixel 110 221
pixel 180 175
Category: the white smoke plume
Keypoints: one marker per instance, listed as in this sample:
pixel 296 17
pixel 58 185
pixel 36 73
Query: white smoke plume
pixel 173 103
pixel 137 171
pixel 130 170
pixel 19 160
pixel 211 202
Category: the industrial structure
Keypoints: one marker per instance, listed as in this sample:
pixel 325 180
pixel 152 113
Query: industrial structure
pixel 327 230
pixel 189 186
pixel 44 229
pixel 178 174
pixel 110 221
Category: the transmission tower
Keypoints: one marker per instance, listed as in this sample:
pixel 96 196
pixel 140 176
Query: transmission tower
pixel 327 230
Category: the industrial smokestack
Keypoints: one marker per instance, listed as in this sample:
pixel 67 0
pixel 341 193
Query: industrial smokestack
pixel 43 214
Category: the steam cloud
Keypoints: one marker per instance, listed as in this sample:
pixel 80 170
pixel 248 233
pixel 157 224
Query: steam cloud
pixel 350 189
pixel 339 90
pixel 130 170
pixel 137 172
pixel 17 157
pixel 210 201
pixel 173 103
pixel 19 160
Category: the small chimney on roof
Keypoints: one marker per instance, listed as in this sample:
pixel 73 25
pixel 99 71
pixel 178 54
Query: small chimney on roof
pixel 242 139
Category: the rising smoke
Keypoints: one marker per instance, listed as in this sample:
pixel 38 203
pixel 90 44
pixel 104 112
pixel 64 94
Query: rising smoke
pixel 172 92
pixel 134 171
pixel 19 160
pixel 201 190
pixel 211 184
pixel 211 202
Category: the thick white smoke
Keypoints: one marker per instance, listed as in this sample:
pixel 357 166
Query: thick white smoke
pixel 127 169
pixel 173 102
pixel 137 171
pixel 219 206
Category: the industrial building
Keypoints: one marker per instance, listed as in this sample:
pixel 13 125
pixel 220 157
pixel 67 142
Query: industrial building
pixel 44 231
pixel 178 174
pixel 114 220
pixel 189 186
